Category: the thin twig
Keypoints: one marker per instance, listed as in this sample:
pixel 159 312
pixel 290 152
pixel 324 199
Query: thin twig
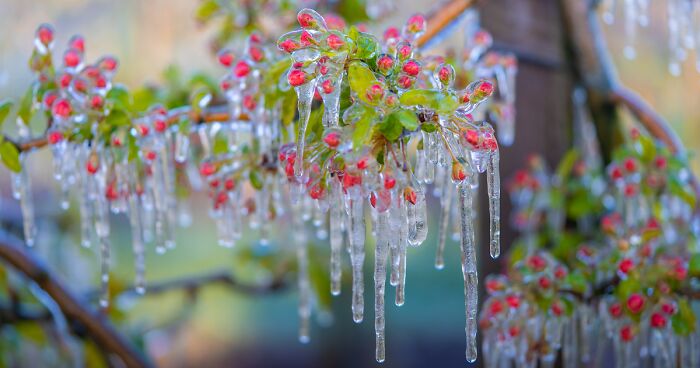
pixel 97 326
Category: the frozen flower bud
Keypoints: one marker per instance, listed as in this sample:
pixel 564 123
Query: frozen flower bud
pixel 61 109
pixel 288 45
pixel 445 74
pixel 327 86
pixel 405 81
pixel 93 164
pixel 635 303
pixel 256 54
pixel 391 33
pixel 49 98
pixel 296 77
pixel 307 39
pixel 385 63
pixel 77 42
pixel 391 100
pixel 458 172
pixel 207 169
pixel 310 19
pixel 415 26
pixel 97 102
pixel 72 58
pixel 411 67
pixel 334 22
pixel 483 39
pixel 43 38
pixel 657 320
pixel 626 333
pixel 334 41
pixel 410 195
pixel 404 51
pixel 55 137
pixel 226 57
pixel 108 64
pixel 332 139
pixel 241 69
pixel 389 182
pixel 375 92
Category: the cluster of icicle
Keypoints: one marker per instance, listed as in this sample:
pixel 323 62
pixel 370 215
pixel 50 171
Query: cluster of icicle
pixel 500 67
pixel 450 158
pixel 116 163
pixel 96 165
pixel 682 24
pixel 531 315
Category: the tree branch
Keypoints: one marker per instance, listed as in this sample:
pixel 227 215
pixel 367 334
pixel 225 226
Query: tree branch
pixel 13 252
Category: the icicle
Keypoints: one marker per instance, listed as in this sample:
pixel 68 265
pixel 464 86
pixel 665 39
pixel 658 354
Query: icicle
pixel 356 234
pixel 630 28
pixel 395 218
pixel 401 269
pixel 303 281
pixel 331 101
pixel 102 230
pixel 136 233
pixel 305 95
pixel 418 219
pixel 380 257
pixel 469 271
pixel 336 237
pixel 26 201
pixel 446 203
pixel 182 147
pixel 494 191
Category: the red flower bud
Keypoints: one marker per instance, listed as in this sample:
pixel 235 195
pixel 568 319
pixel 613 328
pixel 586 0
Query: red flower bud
pixel 226 58
pixel 389 182
pixel 296 77
pixel 55 137
pixel 658 320
pixel 615 310
pixel 207 169
pixel 626 333
pixel 241 69
pixel 411 68
pixel 71 58
pixel 635 303
pixel 289 45
pixel 625 266
pixel 332 140
pixel 62 108
pixel 334 41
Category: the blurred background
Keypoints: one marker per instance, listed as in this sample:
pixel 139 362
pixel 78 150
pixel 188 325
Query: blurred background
pixel 224 328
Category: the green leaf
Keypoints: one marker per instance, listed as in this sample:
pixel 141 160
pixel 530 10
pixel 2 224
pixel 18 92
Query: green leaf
pixel 117 118
pixel 255 179
pixel 365 44
pixel 361 78
pixel 683 322
pixel 361 132
pixel 682 191
pixel 10 156
pixel 25 106
pixel 144 98
pixel 428 127
pixel 441 102
pixel 5 107
pixel 393 125
pixel 577 281
pixel 694 265
pixel 220 144
pixel 646 148
pixel 206 10
pixel 119 97
pixel 200 99
pixel 567 164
